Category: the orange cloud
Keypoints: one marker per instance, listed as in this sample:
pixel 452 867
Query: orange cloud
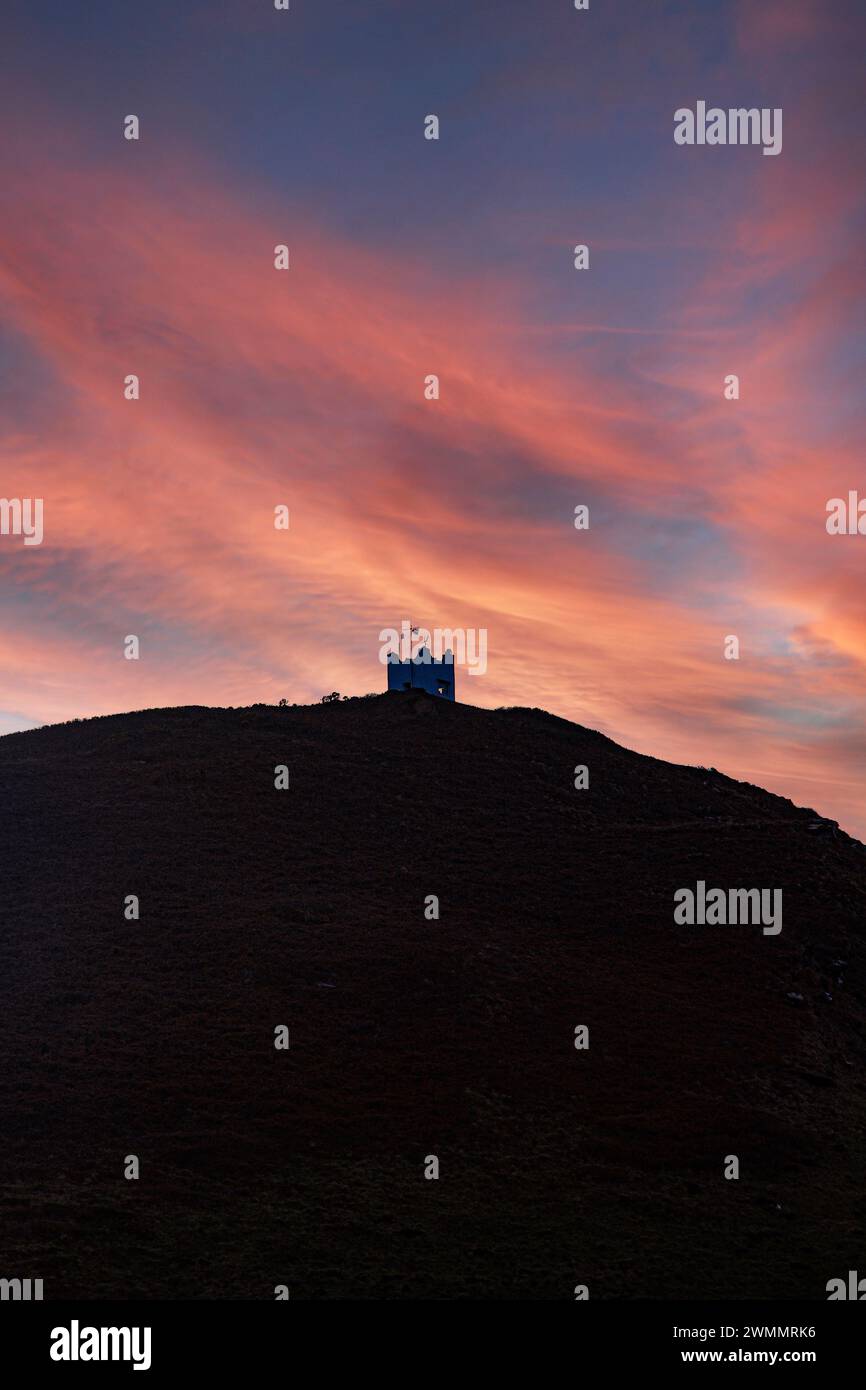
pixel 260 387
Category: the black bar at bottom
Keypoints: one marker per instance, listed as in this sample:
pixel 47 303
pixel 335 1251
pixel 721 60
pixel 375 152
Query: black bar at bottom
pixel 167 1339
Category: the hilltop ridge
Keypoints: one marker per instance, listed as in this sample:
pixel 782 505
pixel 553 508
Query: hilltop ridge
pixel 411 1036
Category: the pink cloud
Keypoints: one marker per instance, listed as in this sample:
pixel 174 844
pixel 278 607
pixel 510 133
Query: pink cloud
pixel 306 388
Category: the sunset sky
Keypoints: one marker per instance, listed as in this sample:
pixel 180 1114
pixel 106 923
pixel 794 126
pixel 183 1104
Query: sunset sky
pixel 455 257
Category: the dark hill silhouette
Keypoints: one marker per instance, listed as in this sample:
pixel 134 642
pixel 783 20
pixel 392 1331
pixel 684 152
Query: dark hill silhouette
pixel 411 1037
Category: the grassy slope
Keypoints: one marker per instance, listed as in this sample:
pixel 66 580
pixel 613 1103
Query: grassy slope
pixel 411 1037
